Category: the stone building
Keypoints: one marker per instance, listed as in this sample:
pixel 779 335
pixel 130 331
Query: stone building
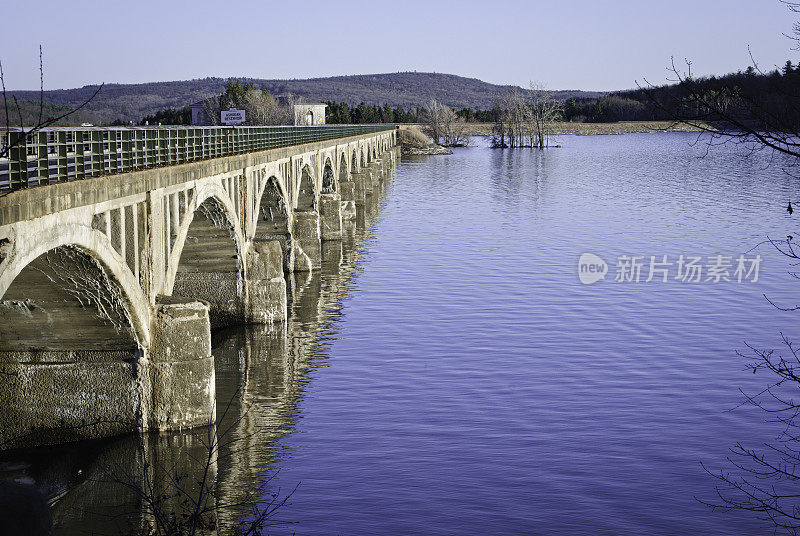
pixel 309 114
pixel 199 116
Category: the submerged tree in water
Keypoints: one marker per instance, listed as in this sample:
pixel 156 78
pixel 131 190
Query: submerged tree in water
pixel 525 119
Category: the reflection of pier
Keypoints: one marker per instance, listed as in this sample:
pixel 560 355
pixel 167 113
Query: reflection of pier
pixel 269 364
pixel 260 373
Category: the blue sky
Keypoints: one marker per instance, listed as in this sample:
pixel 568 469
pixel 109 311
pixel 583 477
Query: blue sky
pixel 563 44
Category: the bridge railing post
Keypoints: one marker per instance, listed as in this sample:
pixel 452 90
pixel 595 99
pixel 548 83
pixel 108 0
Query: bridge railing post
pixel 62 158
pixel 18 160
pixel 96 152
pixel 114 146
pixel 126 163
pixel 42 158
pixel 163 147
pixel 79 151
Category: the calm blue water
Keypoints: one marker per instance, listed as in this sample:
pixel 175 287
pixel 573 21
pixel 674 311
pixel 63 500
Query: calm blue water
pixel 447 373
pixel 472 385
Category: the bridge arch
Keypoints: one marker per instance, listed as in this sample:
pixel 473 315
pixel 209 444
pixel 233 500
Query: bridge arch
pixel 274 218
pixel 103 279
pixel 214 218
pixel 343 176
pixel 273 212
pixel 354 161
pixel 208 260
pixel 328 178
pixel 306 190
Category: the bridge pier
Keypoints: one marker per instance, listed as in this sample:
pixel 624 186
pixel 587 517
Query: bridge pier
pixel 224 292
pixel 306 240
pixel 348 210
pixel 348 195
pixel 181 368
pixel 363 187
pixel 44 403
pixel 265 286
pixel 331 216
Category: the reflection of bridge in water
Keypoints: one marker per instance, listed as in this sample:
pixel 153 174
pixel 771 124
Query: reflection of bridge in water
pixel 260 373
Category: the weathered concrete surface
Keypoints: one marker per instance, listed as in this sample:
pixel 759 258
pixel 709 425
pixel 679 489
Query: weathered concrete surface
pixel 181 367
pixel 348 210
pixel 49 403
pixel 265 285
pixel 307 237
pixel 360 182
pixel 348 191
pixel 223 291
pixel 91 345
pixel 331 216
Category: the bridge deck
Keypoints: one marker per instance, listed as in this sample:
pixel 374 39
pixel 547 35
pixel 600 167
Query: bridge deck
pixel 66 154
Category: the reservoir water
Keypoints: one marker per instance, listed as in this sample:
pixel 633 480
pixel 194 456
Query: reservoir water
pixel 447 372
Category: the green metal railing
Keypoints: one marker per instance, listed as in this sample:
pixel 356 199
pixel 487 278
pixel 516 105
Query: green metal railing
pixel 66 154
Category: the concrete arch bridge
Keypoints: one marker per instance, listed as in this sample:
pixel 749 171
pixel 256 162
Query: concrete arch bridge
pixel 134 243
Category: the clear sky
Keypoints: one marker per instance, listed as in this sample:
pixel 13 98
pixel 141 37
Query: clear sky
pixel 564 44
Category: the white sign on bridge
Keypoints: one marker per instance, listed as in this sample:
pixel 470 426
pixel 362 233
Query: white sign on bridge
pixel 232 117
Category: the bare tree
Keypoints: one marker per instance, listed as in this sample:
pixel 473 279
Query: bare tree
pixel 7 141
pixel 510 127
pixel 728 115
pixel 525 119
pixel 444 126
pixel 764 479
pixel 544 111
pixel 263 109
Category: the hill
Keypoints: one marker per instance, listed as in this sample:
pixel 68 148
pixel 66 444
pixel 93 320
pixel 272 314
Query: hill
pixel 408 89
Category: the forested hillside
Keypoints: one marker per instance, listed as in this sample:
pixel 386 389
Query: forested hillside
pixel 132 102
pixel 744 94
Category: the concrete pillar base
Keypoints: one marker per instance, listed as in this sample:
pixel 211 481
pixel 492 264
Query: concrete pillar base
pixel 331 216
pixel 181 367
pixel 306 241
pixel 363 181
pixel 359 188
pixel 348 210
pixel 265 286
pixel 52 397
pixel 347 191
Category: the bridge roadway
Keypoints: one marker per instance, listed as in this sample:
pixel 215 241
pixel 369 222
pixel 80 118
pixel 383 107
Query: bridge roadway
pixel 136 243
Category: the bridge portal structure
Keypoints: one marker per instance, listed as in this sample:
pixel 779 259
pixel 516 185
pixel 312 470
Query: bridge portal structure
pixel 135 243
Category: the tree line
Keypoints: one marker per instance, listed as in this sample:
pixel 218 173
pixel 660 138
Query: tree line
pixel 739 94
pixel 169 116
pixel 341 113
